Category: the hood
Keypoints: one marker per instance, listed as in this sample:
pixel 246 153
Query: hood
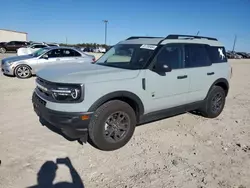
pixel 16 58
pixel 84 73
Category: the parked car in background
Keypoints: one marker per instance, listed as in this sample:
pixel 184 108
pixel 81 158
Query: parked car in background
pixel 102 50
pixel 96 50
pixel 2 43
pixel 27 65
pixel 237 56
pixel 230 55
pixel 99 50
pixel 12 46
pixel 243 55
pixel 32 48
pixel 89 49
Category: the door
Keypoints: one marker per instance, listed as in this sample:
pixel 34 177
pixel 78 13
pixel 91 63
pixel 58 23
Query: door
pixel 200 71
pixel 169 89
pixel 19 44
pixel 11 46
pixel 49 58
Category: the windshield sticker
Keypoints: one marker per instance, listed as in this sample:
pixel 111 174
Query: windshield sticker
pixel 222 55
pixel 148 46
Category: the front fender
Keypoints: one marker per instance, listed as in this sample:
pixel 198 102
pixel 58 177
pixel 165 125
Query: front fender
pixel 118 94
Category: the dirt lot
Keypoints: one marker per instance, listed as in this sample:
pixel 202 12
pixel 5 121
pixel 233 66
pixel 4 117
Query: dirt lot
pixel 185 151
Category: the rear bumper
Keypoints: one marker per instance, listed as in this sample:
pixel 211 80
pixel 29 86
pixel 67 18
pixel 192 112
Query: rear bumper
pixel 70 124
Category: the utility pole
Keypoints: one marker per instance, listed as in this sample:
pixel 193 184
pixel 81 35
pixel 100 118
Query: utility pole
pixel 105 23
pixel 235 39
pixel 66 40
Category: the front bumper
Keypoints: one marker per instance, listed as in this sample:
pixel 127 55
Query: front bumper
pixel 7 69
pixel 72 124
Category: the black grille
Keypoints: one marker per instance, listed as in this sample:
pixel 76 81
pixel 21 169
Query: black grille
pixel 44 89
pixel 37 100
pixel 45 84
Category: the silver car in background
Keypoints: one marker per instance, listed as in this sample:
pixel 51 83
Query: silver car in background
pixel 27 65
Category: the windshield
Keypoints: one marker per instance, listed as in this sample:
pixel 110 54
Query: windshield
pixel 39 52
pixel 28 46
pixel 127 56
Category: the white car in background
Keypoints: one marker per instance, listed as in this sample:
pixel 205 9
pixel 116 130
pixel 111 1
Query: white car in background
pixel 25 66
pixel 99 50
pixel 32 48
pixel 102 50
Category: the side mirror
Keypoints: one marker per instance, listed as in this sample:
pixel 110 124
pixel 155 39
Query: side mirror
pixel 162 68
pixel 45 56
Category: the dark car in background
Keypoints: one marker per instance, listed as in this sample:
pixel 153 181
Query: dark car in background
pixel 243 55
pixel 230 55
pixel 88 49
pixel 12 46
pixel 2 43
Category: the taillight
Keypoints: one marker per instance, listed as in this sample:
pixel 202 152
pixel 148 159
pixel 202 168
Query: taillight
pixel 93 59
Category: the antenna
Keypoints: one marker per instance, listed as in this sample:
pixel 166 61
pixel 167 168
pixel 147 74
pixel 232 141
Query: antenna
pixel 235 39
pixel 197 33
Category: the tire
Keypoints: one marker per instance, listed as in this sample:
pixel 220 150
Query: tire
pixel 99 129
pixel 2 50
pixel 22 71
pixel 215 102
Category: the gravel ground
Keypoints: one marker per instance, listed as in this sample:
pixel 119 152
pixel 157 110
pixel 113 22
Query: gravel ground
pixel 184 151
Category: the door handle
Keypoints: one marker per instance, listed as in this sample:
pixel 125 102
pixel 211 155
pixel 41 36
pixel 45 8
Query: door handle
pixel 182 77
pixel 210 73
pixel 57 59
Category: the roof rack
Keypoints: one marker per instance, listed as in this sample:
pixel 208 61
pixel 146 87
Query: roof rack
pixel 137 37
pixel 176 36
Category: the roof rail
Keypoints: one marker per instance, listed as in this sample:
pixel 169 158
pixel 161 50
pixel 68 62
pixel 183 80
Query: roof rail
pixel 137 37
pixel 176 36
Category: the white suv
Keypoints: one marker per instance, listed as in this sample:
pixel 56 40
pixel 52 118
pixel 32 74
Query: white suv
pixel 138 80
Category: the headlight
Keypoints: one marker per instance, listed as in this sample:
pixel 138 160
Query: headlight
pixel 10 62
pixel 70 94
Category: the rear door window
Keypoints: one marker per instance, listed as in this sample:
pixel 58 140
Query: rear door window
pixel 70 53
pixel 196 55
pixel 19 43
pixel 171 54
pixel 11 43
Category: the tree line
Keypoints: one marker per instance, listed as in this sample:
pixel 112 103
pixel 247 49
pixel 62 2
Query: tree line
pixel 89 45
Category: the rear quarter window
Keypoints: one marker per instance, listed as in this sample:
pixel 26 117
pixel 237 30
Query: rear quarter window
pixel 217 54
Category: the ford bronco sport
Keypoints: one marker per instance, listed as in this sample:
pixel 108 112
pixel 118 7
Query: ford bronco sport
pixel 139 80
